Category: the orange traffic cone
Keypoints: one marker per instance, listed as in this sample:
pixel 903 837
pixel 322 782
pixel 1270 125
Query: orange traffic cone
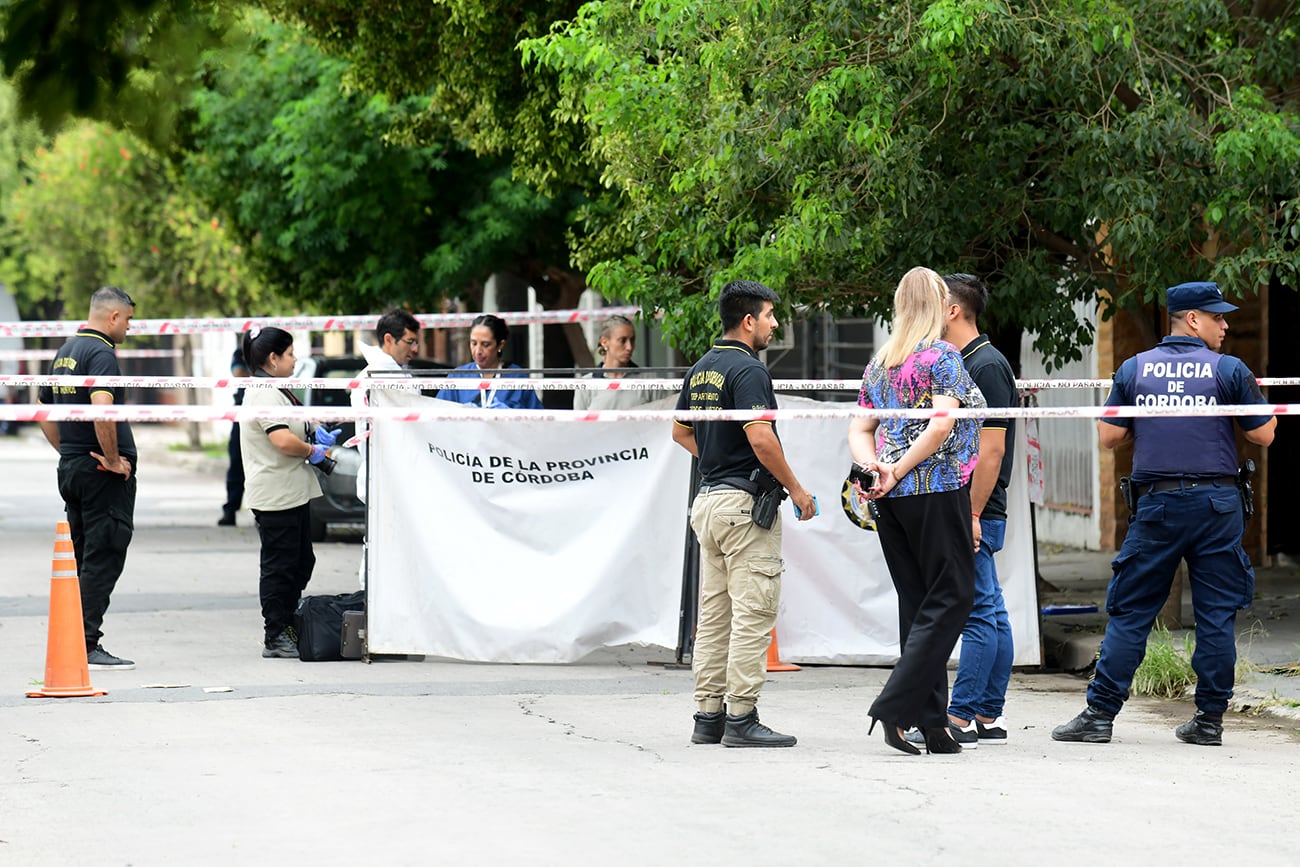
pixel 66 671
pixel 774 662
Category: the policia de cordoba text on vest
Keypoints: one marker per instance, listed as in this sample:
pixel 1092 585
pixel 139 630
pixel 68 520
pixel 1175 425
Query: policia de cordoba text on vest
pixel 1175 375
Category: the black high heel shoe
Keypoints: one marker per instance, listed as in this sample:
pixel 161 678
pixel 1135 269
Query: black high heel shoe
pixel 940 741
pixel 894 737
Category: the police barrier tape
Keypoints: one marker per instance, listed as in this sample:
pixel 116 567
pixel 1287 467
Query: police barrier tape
pixel 455 412
pixel 55 328
pixel 511 383
pixel 47 354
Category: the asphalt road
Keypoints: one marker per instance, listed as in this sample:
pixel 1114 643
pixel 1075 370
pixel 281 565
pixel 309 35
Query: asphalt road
pixel 406 762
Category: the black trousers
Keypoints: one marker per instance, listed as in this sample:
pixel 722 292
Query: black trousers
pixel 929 548
pixel 101 517
pixel 287 563
pixel 234 472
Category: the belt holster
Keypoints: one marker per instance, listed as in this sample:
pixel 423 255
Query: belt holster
pixel 1129 493
pixel 767 498
pixel 1246 488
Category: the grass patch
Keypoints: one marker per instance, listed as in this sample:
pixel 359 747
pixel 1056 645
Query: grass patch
pixel 212 450
pixel 1166 670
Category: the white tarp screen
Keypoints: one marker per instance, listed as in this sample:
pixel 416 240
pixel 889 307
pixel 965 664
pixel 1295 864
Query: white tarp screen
pixel 483 547
pixel 478 552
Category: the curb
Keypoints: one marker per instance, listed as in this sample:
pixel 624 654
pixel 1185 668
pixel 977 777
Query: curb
pixel 1071 643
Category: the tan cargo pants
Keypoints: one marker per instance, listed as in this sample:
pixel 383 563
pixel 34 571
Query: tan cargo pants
pixel 740 589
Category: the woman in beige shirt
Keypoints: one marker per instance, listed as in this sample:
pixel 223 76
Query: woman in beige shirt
pixel 279 485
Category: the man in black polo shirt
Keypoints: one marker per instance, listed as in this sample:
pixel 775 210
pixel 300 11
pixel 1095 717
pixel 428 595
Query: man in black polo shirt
pixel 96 465
pixel 979 690
pixel 740 571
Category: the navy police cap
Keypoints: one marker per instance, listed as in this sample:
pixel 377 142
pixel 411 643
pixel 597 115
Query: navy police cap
pixel 1197 296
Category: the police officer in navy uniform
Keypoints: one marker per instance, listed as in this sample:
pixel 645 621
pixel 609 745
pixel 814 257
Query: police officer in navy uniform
pixel 1188 508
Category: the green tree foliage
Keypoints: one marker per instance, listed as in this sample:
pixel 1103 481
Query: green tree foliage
pixel 340 215
pixel 19 141
pixel 1061 148
pixel 100 207
pixel 130 63
pixel 463 56
pixel 461 59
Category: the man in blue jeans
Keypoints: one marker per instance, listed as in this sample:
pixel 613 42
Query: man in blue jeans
pixel 984 667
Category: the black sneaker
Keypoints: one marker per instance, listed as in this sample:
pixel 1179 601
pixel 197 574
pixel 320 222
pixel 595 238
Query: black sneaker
pixel 227 519
pixel 281 647
pixel 709 727
pixel 1090 727
pixel 99 659
pixel 1200 731
pixel 967 737
pixel 994 732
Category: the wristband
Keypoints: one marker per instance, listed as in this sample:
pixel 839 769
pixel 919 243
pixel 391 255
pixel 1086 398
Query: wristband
pixel 975 515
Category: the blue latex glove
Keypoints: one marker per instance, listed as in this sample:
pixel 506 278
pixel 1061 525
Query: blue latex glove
pixel 327 437
pixel 317 455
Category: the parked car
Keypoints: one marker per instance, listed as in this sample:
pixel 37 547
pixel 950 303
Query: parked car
pixel 338 504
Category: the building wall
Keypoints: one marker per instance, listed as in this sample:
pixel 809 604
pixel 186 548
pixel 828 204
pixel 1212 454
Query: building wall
pixel 1068 449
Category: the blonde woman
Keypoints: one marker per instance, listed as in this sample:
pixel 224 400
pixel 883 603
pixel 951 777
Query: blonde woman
pixel 922 496
pixel 615 345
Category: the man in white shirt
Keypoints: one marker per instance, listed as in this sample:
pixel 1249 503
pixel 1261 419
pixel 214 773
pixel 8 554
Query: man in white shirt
pixel 398 334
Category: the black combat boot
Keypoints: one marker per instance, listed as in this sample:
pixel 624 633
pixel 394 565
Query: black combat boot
pixel 708 727
pixel 1202 729
pixel 747 731
pixel 1092 726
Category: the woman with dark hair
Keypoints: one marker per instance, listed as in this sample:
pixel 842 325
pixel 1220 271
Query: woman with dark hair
pixel 279 488
pixel 922 495
pixel 487 341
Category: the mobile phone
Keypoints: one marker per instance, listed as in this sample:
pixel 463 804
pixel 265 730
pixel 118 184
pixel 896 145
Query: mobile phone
pixel 817 508
pixel 866 478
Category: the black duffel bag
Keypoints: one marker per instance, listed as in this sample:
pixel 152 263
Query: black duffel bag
pixel 319 622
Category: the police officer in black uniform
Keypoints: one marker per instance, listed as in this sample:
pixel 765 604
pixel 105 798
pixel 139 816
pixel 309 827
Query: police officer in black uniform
pixel 235 469
pixel 740 552
pixel 1188 507
pixel 96 465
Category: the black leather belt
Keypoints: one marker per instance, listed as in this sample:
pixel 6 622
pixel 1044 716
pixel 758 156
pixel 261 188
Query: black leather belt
pixel 1187 484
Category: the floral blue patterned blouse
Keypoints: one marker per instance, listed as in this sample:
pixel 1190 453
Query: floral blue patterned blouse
pixel 932 369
